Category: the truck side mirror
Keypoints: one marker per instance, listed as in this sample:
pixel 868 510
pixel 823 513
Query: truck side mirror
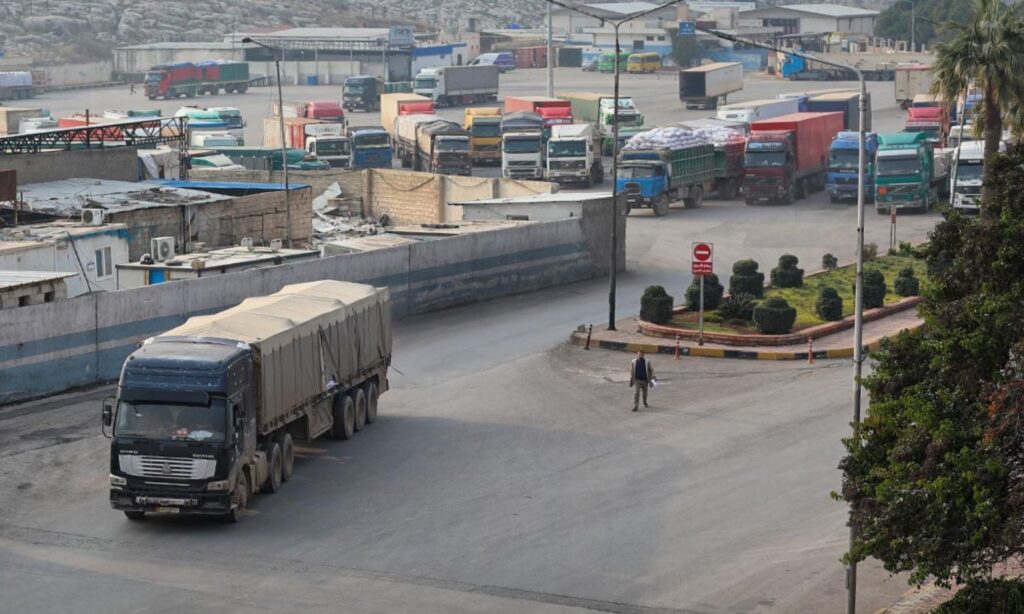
pixel 108 415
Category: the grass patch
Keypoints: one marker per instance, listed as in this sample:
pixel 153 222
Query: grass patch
pixel 805 298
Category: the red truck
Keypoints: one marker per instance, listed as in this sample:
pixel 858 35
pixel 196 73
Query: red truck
pixel 108 133
pixel 326 110
pixel 787 156
pixel 552 111
pixel 173 80
pixel 933 121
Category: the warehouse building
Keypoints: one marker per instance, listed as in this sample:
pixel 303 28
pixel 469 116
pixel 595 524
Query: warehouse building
pixel 812 19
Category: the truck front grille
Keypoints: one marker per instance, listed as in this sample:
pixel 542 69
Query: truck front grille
pixel 568 164
pixel 167 467
pixel 524 163
pixel 632 187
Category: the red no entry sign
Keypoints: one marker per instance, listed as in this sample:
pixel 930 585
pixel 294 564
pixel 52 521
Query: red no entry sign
pixel 703 263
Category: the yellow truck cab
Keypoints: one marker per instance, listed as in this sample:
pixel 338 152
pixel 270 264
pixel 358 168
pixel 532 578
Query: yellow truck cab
pixel 484 127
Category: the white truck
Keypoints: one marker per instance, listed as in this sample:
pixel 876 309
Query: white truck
pixel 911 80
pixel 757 110
pixel 965 178
pixel 574 155
pixel 522 145
pixel 324 139
pixel 454 85
pixel 202 139
pixel 704 87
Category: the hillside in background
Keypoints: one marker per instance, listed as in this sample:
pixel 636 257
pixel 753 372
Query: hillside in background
pixel 85 30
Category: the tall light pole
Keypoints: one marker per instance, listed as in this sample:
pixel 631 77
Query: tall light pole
pixel 616 23
pixel 551 60
pixel 858 293
pixel 284 146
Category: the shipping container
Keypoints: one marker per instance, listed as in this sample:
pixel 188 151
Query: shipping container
pixel 911 80
pixel 709 85
pixel 847 103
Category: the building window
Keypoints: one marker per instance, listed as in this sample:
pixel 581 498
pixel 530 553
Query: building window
pixel 661 38
pixel 23 301
pixel 104 267
pixel 48 297
pixel 650 38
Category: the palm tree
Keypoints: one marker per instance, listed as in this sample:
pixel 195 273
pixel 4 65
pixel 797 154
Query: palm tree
pixel 988 53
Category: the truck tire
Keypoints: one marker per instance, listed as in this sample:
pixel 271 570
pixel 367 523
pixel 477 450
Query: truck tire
pixel 371 402
pixel 359 398
pixel 800 190
pixel 660 205
pixel 240 498
pixel 287 457
pixel 131 515
pixel 697 198
pixel 274 468
pixel 344 413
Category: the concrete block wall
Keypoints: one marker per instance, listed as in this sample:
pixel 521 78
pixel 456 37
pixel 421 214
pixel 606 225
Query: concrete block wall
pixel 114 163
pixel 35 294
pixel 45 349
pixel 351 182
pixel 406 197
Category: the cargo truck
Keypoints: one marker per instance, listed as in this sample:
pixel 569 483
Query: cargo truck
pixel 394 105
pixel 371 147
pixel 217 75
pixel 269 158
pixel 325 140
pixel 232 118
pixel 705 87
pixel 847 103
pixel 608 140
pixel 757 110
pixel 442 147
pixel 326 110
pixel 484 126
pixel 906 173
pixel 787 157
pixel 172 80
pixel 404 141
pixel 843 162
pixel 729 168
pixel 362 92
pixel 552 111
pixel 930 120
pixel 208 414
pixel 910 81
pixel 655 178
pixel 522 145
pixel 599 109
pixel 574 155
pixel 713 123
pixel 11 118
pixel 458 85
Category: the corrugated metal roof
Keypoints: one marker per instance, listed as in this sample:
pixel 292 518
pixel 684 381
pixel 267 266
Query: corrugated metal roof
pixel 323 33
pixel 10 280
pixel 182 45
pixel 71 195
pixel 831 10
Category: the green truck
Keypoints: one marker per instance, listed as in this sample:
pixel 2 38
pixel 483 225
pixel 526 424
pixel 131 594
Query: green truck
pixel 269 158
pixel 655 177
pixel 907 173
pixel 599 110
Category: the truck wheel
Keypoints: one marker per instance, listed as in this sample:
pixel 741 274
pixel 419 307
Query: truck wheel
pixel 344 413
pixel 661 205
pixel 360 402
pixel 274 467
pixel 135 515
pixel 790 195
pixel 695 201
pixel 371 402
pixel 240 499
pixel 287 457
pixel 801 189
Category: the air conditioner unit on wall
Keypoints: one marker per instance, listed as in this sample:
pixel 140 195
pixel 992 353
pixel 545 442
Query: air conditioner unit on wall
pixel 162 248
pixel 92 217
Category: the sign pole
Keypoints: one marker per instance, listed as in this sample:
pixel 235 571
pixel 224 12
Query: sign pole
pixel 700 338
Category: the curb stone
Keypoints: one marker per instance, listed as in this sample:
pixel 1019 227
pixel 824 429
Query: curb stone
pixel 704 352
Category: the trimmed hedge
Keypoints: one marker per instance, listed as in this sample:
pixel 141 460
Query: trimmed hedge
pixel 774 316
pixel 746 279
pixel 737 307
pixel 830 305
pixel 787 275
pixel 713 292
pixel 874 289
pixel 829 262
pixel 906 284
pixel 656 305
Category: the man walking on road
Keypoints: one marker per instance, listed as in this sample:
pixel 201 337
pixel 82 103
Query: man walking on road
pixel 641 374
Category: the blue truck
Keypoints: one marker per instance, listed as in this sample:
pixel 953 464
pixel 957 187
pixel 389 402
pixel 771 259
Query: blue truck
pixel 371 147
pixel 654 178
pixel 843 159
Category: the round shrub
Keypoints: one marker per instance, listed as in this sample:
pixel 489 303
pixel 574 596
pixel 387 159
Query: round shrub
pixel 874 289
pixel 829 262
pixel 746 279
pixel 829 306
pixel 713 292
pixel 870 251
pixel 656 305
pixel 774 316
pixel 906 284
pixel 787 275
pixel 737 307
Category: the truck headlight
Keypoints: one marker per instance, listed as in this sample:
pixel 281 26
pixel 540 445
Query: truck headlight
pixel 116 480
pixel 218 485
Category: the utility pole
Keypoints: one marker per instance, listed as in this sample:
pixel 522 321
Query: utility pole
pixel 913 20
pixel 551 60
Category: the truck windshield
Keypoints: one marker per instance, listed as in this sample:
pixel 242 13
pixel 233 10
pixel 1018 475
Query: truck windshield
pixel 153 76
pixel 901 165
pixel 353 89
pixel 171 422
pixel 636 172
pixel 766 158
pixel 232 120
pixel 444 144
pixel 331 147
pixel 970 170
pixel 624 117
pixel 566 149
pixel 372 140
pixel 522 146
pixel 843 158
pixel 424 83
pixel 486 130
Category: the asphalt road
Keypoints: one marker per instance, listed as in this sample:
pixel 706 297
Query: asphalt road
pixel 506 472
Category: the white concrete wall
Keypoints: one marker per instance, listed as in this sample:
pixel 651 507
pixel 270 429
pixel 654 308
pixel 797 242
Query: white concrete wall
pixel 331 72
pixel 67 75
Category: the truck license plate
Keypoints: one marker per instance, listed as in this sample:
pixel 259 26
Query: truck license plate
pixel 161 509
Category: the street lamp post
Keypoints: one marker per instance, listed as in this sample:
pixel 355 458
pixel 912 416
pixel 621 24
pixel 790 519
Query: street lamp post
pixel 284 146
pixel 858 300
pixel 616 23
